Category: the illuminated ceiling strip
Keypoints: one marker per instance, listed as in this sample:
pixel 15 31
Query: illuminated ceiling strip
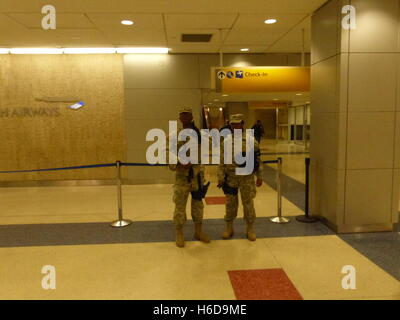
pixel 35 51
pixel 82 50
pixel 142 50
pixel 89 50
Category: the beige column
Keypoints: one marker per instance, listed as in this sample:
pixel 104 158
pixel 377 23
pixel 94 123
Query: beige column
pixel 355 122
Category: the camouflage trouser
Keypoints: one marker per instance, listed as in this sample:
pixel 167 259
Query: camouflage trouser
pixel 247 189
pixel 182 189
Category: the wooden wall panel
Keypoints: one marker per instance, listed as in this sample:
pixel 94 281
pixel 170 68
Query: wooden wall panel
pixel 93 134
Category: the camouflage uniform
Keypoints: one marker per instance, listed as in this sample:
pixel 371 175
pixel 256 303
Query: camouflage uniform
pixel 186 181
pixel 184 184
pixel 245 184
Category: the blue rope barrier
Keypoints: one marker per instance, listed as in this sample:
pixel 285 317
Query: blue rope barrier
pixel 64 168
pixel 271 161
pixel 143 165
pixel 127 164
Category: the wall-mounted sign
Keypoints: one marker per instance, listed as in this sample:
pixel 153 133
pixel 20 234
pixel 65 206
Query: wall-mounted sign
pixel 77 105
pixel 261 79
pixel 29 112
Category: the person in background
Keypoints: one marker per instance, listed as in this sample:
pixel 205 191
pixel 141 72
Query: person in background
pixel 226 126
pixel 258 131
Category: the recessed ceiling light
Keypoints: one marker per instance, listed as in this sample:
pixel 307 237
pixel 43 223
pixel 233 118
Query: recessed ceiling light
pixel 276 99
pixel 225 95
pixel 220 109
pixel 244 49
pixel 299 94
pixel 270 21
pixel 127 22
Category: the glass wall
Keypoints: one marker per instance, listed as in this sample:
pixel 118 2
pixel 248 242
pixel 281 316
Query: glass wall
pixel 299 124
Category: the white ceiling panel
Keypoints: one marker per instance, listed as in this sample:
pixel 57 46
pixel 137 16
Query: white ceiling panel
pixel 112 22
pixel 254 36
pixel 166 6
pixel 199 21
pixel 159 23
pixel 64 20
pixel 136 37
pixel 292 41
pixel 256 21
pixel 9 25
pixel 66 38
pixel 59 38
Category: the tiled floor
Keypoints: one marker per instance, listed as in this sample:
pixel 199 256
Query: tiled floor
pixel 67 227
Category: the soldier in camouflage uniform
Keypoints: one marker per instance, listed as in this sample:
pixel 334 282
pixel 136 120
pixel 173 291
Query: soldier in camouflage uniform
pixel 246 184
pixel 187 180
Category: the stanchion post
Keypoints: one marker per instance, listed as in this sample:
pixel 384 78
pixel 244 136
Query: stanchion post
pixel 279 218
pixel 306 218
pixel 120 222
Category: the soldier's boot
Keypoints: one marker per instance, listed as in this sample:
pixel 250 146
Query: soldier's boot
pixel 199 234
pixel 251 235
pixel 228 233
pixel 180 240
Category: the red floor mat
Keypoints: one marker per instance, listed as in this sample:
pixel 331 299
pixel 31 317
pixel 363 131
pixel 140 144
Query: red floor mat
pixel 268 284
pixel 215 200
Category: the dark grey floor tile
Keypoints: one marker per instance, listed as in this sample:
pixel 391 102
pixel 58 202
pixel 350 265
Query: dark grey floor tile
pixel 382 248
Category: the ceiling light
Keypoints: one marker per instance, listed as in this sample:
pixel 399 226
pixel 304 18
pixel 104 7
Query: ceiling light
pixel 127 22
pixel 89 50
pixel 36 51
pixel 216 100
pixel 244 49
pixel 142 50
pixel 225 95
pixel 220 109
pixel 270 21
pixel 82 50
pixel 299 94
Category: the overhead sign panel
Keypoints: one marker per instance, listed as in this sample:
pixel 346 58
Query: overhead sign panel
pixel 262 79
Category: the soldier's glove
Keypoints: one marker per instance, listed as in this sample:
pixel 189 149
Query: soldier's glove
pixel 229 190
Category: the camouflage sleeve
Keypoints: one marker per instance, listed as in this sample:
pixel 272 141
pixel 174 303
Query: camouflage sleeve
pixel 260 169
pixel 221 166
pixel 172 167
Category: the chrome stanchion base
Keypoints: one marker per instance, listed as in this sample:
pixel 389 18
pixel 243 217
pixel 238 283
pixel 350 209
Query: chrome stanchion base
pixel 306 219
pixel 279 220
pixel 120 223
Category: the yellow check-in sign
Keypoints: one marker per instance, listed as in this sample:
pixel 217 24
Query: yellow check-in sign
pixel 262 79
